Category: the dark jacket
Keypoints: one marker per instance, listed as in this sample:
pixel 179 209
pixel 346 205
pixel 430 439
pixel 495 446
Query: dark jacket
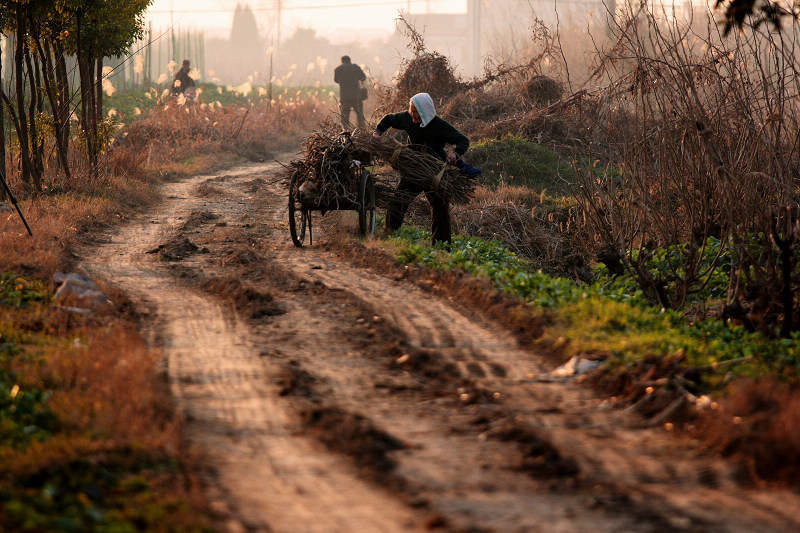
pixel 347 75
pixel 435 135
pixel 185 80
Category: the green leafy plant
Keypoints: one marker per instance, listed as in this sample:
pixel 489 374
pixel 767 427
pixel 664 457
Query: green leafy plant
pixel 609 314
pixel 16 291
pixel 24 415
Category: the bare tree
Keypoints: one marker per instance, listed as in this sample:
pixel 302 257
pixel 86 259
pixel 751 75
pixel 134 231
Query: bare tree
pixel 704 177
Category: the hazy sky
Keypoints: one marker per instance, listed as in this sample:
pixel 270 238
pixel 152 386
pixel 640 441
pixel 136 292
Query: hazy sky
pixel 328 17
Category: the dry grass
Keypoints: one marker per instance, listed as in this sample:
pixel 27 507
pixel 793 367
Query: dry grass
pixel 491 112
pixel 756 424
pixel 181 140
pixel 107 393
pixel 518 195
pixel 515 226
pixel 113 409
pixel 55 221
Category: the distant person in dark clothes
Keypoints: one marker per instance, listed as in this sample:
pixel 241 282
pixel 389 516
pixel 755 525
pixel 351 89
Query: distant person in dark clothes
pixel 349 76
pixel 182 81
pixel 426 131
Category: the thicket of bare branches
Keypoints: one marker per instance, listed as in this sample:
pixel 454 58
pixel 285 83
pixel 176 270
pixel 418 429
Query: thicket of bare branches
pixel 685 138
pixel 507 98
pixel 702 141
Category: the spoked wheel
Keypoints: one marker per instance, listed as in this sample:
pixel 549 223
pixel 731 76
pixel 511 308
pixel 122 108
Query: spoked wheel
pixel 298 215
pixel 366 203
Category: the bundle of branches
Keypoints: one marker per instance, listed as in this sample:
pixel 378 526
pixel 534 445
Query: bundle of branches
pixel 429 72
pixel 420 167
pixel 327 176
pixel 543 91
pixel 386 192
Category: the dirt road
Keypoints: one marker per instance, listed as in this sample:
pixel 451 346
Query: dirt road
pixel 327 397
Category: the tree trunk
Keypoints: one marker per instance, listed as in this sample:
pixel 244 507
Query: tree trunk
pixel 88 118
pixel 34 108
pixel 46 58
pixel 148 57
pixel 90 109
pixel 21 122
pixel 3 195
pixel 63 96
pixel 98 110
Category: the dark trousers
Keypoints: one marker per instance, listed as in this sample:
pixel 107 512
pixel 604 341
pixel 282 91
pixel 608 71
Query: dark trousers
pixel 358 107
pixel 440 210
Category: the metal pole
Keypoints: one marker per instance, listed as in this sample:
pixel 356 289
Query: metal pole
pixel 276 48
pixel 269 90
pixel 14 201
pixel 474 9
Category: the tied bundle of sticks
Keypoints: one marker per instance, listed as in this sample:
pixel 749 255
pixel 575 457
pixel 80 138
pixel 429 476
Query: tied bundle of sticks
pixel 329 174
pixel 420 167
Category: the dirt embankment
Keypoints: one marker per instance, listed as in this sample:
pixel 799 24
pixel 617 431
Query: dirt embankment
pixel 326 396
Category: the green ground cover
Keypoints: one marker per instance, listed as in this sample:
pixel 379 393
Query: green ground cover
pixel 608 315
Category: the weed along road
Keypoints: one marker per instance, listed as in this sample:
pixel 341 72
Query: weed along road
pixel 327 391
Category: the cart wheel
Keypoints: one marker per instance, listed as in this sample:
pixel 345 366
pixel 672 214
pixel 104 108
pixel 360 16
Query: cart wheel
pixel 366 202
pixel 298 215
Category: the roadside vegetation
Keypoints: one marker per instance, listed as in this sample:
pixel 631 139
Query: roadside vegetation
pixel 650 224
pixel 90 438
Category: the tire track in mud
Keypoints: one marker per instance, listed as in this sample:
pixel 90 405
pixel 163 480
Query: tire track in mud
pixel 268 477
pixel 368 404
pixel 644 474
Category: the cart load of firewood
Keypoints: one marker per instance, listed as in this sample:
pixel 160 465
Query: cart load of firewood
pixel 329 173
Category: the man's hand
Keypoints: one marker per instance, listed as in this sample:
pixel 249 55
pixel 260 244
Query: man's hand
pixel 376 135
pixel 452 157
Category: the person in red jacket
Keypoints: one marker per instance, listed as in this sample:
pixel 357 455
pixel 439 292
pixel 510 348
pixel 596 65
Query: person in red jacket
pixel 426 131
pixel 349 76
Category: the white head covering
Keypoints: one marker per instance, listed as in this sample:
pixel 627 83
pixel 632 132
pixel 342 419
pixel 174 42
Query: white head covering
pixel 424 104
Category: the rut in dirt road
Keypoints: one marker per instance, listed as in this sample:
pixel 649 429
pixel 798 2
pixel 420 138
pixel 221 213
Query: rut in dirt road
pixel 327 397
pixel 269 478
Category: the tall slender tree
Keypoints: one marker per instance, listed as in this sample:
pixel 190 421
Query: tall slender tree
pixel 2 128
pixel 46 34
pixel 19 116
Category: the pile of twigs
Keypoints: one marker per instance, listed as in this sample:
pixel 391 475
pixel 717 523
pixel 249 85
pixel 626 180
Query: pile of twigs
pixel 512 225
pixel 420 167
pixel 429 72
pixel 327 176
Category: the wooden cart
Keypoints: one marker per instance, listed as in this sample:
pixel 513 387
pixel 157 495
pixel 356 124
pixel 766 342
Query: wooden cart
pixel 308 191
